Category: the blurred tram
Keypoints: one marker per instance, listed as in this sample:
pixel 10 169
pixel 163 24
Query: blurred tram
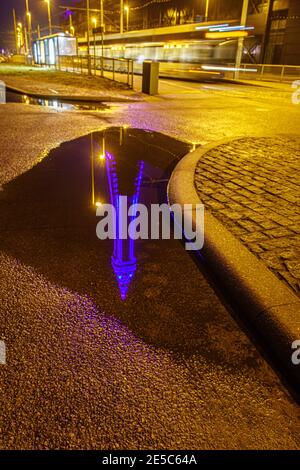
pixel 181 50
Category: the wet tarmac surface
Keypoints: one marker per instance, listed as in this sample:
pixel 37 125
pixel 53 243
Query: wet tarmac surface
pixel 12 97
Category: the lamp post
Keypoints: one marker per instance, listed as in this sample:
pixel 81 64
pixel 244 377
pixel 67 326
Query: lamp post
pixel 28 19
pixel 94 23
pixel 266 37
pixel 88 36
pixel 101 13
pixel 28 14
pixel 25 40
pixel 16 31
pixel 20 37
pixel 102 36
pixel 127 17
pixel 71 27
pixel 240 47
pixel 206 10
pixel 121 16
pixel 49 15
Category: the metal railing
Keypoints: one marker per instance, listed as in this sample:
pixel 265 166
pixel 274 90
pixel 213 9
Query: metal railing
pixel 269 72
pixel 118 70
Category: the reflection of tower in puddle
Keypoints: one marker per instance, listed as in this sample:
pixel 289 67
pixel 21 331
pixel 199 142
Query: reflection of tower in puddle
pixel 124 179
pixel 123 258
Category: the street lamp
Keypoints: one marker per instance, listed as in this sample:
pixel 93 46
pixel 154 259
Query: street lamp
pixel 28 14
pixel 16 31
pixel 240 48
pixel 101 14
pixel 102 35
pixel 19 37
pixel 49 15
pixel 72 29
pixel 206 10
pixel 121 16
pixel 88 35
pixel 126 8
pixel 28 17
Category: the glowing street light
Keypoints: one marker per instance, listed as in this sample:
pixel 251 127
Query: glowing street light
pixel 49 15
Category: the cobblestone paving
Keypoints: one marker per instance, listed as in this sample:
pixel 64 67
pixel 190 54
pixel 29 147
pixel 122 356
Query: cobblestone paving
pixel 252 185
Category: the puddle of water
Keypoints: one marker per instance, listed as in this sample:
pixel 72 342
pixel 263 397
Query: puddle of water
pixel 48 226
pixel 52 208
pixel 12 97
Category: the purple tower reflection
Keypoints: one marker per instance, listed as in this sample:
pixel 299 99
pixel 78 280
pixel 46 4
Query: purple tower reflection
pixel 123 259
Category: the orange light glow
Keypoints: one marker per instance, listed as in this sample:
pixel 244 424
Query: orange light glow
pixel 229 35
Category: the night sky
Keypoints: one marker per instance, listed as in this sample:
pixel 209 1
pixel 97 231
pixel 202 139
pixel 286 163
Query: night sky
pixel 38 9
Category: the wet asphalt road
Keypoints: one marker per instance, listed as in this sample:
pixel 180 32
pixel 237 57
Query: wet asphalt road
pixel 168 369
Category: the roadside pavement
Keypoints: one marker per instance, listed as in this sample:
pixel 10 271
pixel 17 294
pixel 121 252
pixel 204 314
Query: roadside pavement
pixel 252 186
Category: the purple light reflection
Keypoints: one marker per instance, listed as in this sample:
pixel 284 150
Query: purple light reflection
pixel 123 259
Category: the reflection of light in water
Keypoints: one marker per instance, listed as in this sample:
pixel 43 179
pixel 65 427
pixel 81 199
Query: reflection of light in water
pixel 124 272
pixel 53 103
pixel 123 260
